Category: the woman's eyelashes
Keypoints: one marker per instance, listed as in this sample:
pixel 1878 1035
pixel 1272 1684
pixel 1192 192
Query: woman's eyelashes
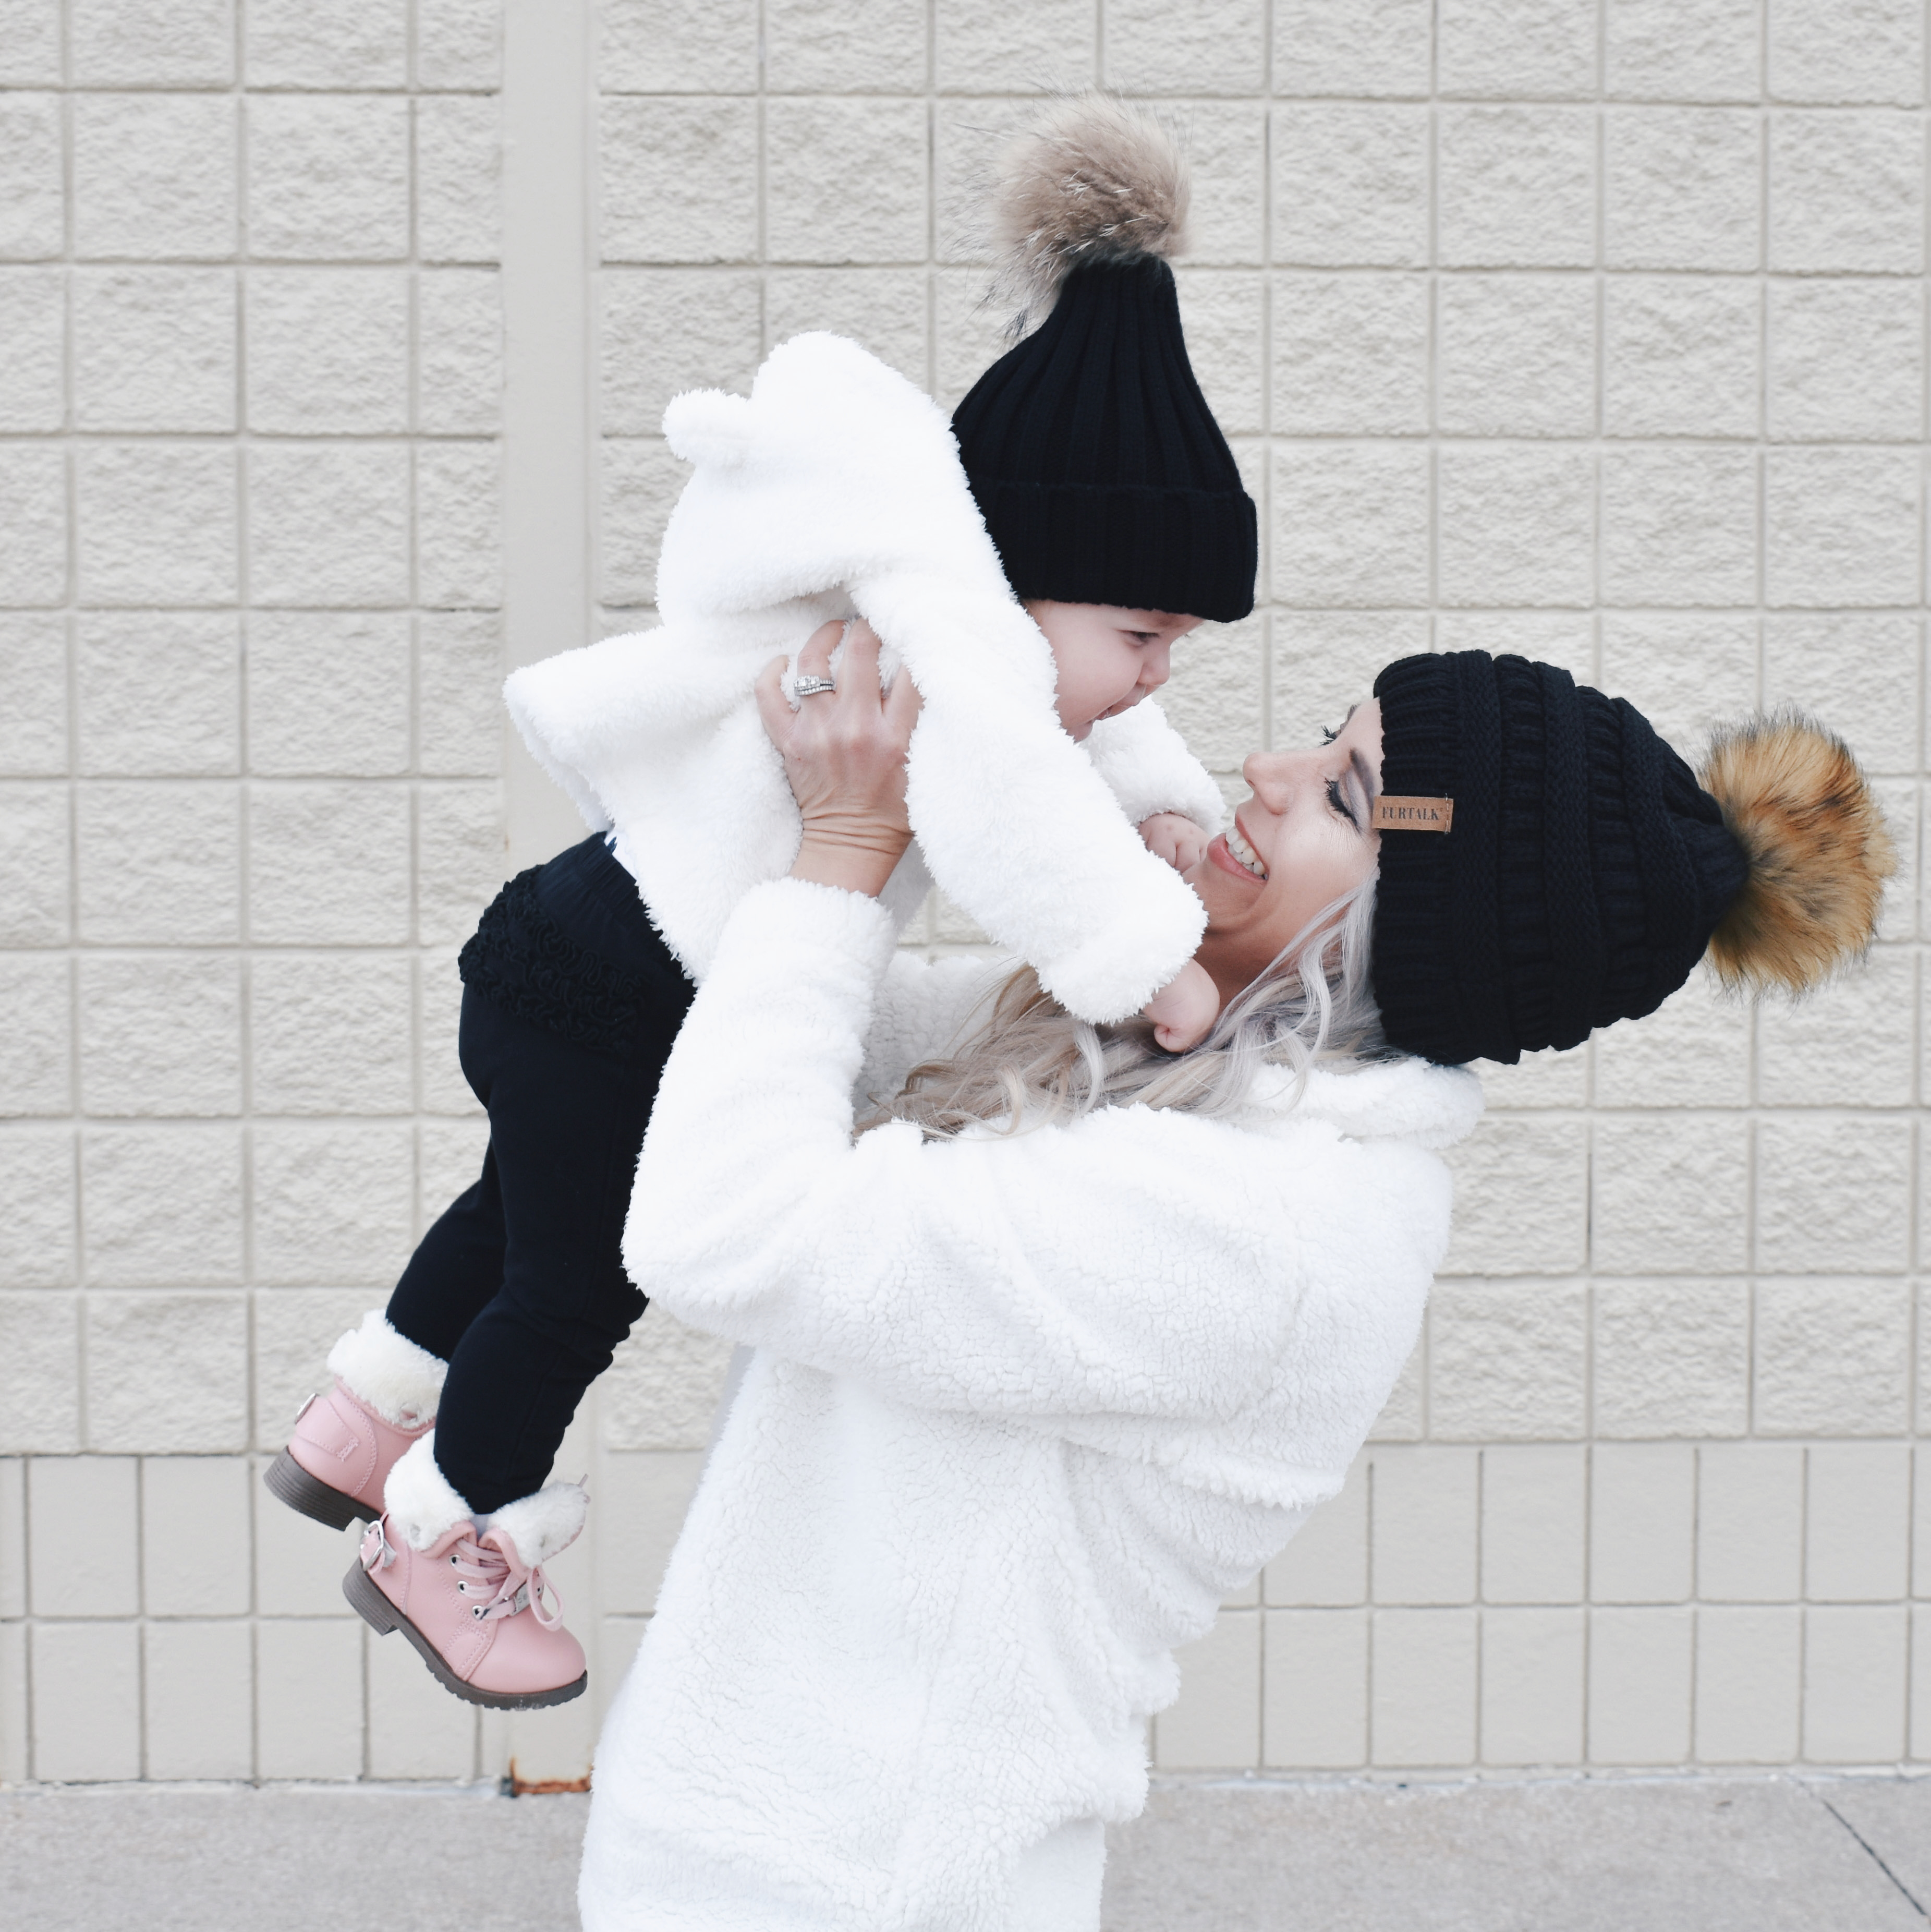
pixel 1337 798
pixel 1328 734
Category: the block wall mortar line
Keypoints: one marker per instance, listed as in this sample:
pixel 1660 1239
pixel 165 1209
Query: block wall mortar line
pixel 245 613
pixel 141 1741
pixel 70 632
pixel 29 1743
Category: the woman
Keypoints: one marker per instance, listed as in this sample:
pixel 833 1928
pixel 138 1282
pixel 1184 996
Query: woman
pixel 1038 1380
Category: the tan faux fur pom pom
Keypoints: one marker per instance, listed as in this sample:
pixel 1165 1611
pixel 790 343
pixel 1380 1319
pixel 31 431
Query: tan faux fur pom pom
pixel 1818 851
pixel 1093 180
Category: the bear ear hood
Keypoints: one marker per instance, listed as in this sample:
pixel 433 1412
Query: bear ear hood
pixel 709 426
pixel 834 469
pixel 835 489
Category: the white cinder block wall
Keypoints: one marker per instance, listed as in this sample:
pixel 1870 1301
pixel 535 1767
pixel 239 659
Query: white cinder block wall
pixel 249 561
pixel 1592 330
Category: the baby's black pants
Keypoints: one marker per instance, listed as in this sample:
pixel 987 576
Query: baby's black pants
pixel 571 1003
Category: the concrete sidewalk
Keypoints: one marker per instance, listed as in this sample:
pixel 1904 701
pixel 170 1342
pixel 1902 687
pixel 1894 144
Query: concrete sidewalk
pixel 1694 1856
pixel 1846 1855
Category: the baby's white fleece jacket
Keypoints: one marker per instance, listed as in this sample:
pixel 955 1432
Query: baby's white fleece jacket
pixel 836 488
pixel 1021 1413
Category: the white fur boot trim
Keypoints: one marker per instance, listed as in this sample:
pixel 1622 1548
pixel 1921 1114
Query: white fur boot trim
pixel 542 1524
pixel 419 1499
pixel 401 1382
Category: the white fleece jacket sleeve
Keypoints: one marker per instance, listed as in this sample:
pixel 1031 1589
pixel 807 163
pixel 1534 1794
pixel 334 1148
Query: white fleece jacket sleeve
pixel 1148 768
pixel 1134 1264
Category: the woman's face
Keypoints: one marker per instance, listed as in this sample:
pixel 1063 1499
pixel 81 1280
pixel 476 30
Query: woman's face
pixel 1301 842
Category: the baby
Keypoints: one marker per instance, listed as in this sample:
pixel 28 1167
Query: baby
pixel 1029 565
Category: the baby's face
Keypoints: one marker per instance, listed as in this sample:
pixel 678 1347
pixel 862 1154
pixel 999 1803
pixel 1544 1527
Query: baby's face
pixel 1108 657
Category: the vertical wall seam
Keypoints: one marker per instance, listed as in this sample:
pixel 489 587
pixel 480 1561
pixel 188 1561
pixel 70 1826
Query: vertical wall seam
pixel 547 446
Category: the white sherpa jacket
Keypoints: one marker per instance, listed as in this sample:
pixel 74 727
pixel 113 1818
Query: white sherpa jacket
pixel 836 487
pixel 1021 1414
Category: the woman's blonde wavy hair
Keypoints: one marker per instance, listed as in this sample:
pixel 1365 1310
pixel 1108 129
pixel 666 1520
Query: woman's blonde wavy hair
pixel 1032 1064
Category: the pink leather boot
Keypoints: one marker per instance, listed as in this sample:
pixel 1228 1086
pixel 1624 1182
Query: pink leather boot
pixel 345 1443
pixel 469 1592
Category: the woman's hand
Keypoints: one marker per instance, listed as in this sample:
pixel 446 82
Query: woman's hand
pixel 844 754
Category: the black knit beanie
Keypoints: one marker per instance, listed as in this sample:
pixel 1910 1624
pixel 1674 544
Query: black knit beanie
pixel 1583 874
pixel 1100 471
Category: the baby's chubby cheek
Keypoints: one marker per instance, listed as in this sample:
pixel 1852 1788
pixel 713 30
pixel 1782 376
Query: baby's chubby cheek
pixel 1088 683
pixel 1079 706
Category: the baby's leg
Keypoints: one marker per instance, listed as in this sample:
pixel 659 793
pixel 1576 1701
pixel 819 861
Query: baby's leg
pixel 565 1125
pixel 470 1520
pixel 567 988
pixel 456 1269
pixel 569 1080
pixel 571 1005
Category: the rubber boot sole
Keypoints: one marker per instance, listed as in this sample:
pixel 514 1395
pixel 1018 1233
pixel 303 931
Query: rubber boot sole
pixel 287 1481
pixel 366 1598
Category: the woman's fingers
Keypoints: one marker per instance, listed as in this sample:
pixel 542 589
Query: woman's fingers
pixel 845 758
pixel 903 704
pixel 829 738
pixel 858 670
pixel 815 659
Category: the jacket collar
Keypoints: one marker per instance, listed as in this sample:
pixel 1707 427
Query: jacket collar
pixel 1384 1100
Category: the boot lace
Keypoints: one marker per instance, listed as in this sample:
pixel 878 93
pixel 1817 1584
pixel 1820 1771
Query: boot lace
pixel 505 1586
pixel 497 1585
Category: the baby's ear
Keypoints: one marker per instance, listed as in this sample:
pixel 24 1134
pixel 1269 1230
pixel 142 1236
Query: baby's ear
pixel 710 427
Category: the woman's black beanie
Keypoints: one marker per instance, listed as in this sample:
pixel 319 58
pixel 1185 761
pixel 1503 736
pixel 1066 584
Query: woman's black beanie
pixel 1100 471
pixel 1583 874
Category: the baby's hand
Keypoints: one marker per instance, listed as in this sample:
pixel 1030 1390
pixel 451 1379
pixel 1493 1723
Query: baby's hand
pixel 1177 839
pixel 1184 1011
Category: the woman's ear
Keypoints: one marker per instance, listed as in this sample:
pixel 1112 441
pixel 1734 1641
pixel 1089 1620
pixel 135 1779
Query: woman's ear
pixel 710 427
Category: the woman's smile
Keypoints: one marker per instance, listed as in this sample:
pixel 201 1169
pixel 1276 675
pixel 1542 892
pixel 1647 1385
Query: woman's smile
pixel 1240 849
pixel 1299 844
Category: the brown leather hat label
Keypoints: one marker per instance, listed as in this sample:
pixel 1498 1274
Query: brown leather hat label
pixel 1411 814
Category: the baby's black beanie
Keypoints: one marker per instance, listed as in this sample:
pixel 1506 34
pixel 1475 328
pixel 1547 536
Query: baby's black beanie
pixel 1100 471
pixel 1583 873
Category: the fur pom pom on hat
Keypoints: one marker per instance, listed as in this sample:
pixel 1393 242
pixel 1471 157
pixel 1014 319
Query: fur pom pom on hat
pixel 1816 847
pixel 1585 868
pixel 1099 468
pixel 1093 181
